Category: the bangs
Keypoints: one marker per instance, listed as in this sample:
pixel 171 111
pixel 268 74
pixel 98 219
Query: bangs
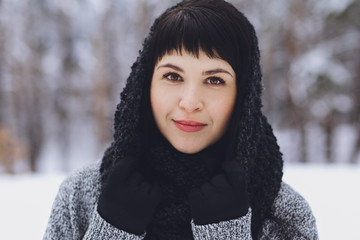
pixel 193 29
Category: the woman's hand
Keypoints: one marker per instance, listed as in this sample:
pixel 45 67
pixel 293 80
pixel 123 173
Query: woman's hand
pixel 223 199
pixel 127 201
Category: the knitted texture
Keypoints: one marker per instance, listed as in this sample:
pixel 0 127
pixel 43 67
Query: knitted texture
pixel 100 229
pixel 177 173
pixel 233 229
pixel 255 145
pixel 74 215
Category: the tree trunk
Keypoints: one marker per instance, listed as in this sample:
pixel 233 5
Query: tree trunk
pixel 356 118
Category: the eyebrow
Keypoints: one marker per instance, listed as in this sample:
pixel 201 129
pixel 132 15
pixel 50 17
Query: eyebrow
pixel 169 65
pixel 208 72
pixel 217 70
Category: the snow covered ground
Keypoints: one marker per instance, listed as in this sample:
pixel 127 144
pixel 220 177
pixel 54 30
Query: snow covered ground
pixel 333 194
pixel 331 190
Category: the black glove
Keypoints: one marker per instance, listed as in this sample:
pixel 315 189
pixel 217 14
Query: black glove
pixel 223 199
pixel 127 201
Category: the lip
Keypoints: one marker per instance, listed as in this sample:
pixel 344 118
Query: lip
pixel 189 126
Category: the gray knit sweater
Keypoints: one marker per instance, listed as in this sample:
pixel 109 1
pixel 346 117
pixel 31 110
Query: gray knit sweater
pixel 74 215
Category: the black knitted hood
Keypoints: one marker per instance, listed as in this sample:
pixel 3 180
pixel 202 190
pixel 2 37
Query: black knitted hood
pixel 255 145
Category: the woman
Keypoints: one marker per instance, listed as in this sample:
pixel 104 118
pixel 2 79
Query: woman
pixel 193 157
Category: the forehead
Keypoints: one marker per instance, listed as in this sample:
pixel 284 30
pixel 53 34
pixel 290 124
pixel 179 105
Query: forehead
pixel 184 55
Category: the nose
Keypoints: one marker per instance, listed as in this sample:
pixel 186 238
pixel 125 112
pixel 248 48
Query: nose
pixel 190 100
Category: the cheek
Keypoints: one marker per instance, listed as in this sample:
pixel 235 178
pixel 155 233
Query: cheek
pixel 161 101
pixel 222 110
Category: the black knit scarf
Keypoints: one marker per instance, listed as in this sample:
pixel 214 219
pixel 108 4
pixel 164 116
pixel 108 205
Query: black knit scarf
pixel 177 173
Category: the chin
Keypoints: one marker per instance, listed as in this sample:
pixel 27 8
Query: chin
pixel 188 149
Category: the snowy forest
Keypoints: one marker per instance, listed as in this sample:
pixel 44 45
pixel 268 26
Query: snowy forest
pixel 63 64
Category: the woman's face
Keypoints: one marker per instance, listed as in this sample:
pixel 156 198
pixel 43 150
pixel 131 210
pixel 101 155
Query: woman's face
pixel 192 99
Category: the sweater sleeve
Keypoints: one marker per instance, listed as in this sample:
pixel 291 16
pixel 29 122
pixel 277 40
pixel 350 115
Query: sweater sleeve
pixel 59 226
pixel 292 217
pixel 100 229
pixel 239 228
pixel 74 214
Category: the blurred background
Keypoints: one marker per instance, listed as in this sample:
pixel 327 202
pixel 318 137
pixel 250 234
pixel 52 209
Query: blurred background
pixel 64 63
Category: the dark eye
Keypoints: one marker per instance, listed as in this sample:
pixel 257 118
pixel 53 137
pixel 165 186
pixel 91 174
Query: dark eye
pixel 173 77
pixel 215 81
